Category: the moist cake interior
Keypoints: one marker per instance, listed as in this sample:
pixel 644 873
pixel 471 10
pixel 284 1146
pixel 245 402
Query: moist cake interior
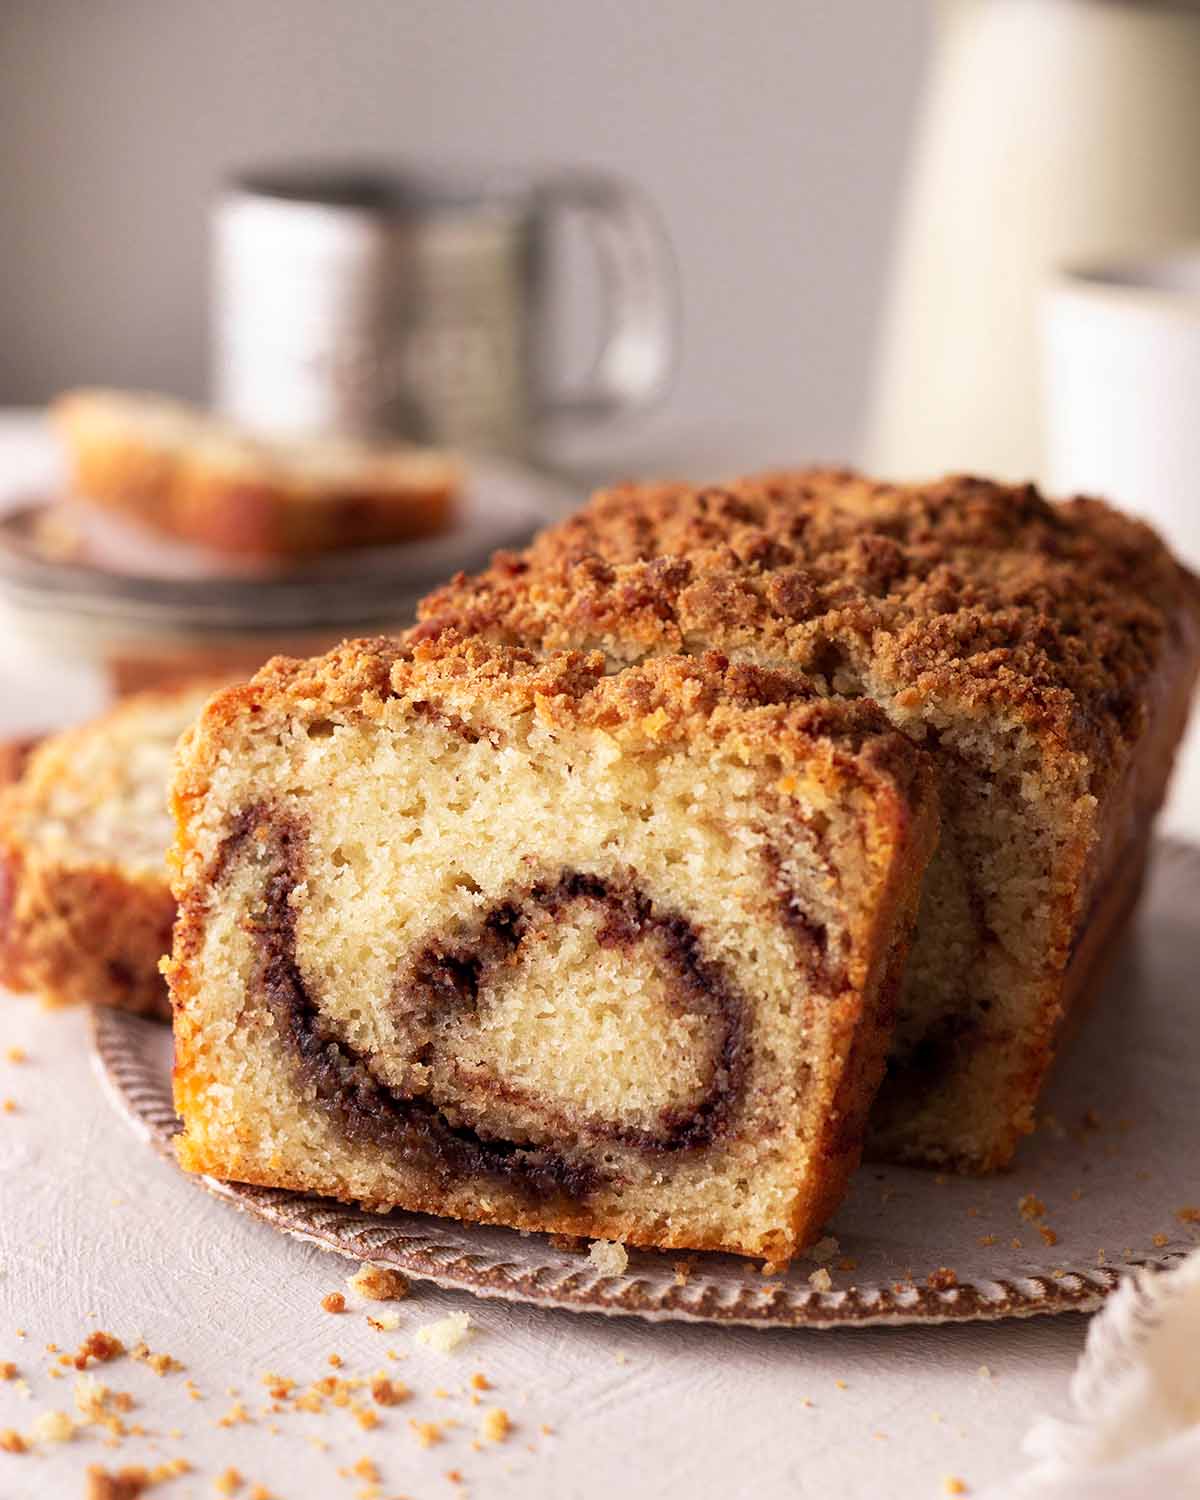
pixel 561 969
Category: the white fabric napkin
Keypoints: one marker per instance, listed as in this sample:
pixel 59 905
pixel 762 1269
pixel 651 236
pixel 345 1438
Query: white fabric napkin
pixel 1135 1430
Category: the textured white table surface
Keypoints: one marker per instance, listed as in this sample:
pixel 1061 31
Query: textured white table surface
pixel 96 1232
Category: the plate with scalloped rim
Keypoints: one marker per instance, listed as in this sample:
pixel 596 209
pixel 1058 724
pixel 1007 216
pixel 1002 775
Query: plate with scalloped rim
pixel 1095 1191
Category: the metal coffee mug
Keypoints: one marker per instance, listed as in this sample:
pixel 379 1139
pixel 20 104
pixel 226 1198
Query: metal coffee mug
pixel 416 304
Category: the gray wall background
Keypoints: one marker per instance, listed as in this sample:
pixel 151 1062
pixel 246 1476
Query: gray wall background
pixel 771 134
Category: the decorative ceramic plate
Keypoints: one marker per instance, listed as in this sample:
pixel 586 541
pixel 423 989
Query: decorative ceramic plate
pixel 1096 1190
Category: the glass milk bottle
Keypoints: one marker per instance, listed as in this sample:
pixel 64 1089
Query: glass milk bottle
pixel 1051 131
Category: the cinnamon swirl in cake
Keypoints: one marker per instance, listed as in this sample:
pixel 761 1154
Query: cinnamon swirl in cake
pixel 1043 654
pixel 503 935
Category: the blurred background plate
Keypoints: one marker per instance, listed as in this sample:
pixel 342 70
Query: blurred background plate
pixel 77 585
pixel 79 580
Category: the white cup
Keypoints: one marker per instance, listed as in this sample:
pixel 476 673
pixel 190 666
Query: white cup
pixel 1121 356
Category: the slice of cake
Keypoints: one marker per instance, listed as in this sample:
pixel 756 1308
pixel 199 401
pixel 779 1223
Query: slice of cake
pixel 85 907
pixel 1044 654
pixel 484 934
pixel 180 471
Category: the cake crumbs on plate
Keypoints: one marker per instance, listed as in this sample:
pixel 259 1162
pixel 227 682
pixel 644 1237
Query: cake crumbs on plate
pixel 609 1257
pixel 480 1382
pixel 1188 1214
pixel 446 1334
pixel 495 1426
pixel 820 1280
pixel 16 1055
pixel 824 1250
pixel 952 1485
pixel 122 1484
pixel 53 1427
pixel 986 1240
pixel 1031 1207
pixel 11 1441
pixel 1159 1240
pixel 229 1482
pixel 1049 1235
pixel 387 1392
pixel 944 1279
pixel 427 1433
pixel 386 1322
pixel 98 1347
pixel 8 1371
pixel 161 1364
pixel 333 1302
pixel 379 1283
pixel 97 1404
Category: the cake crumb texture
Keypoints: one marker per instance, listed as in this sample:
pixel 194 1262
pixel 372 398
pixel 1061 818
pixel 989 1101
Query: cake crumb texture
pixel 85 905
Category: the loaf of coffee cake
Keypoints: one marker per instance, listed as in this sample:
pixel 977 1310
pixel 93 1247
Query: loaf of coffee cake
pixel 1043 654
pixel 85 906
pixel 501 935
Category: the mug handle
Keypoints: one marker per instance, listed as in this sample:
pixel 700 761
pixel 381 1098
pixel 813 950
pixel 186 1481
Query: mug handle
pixel 640 347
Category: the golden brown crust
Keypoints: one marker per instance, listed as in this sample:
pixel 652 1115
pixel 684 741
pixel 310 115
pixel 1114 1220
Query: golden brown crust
pixel 909 824
pixel 256 506
pixel 963 589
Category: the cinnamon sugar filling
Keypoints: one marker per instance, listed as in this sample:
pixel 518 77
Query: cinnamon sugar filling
pixel 447 985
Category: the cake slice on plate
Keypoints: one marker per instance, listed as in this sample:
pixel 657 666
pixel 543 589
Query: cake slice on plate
pixel 85 907
pixel 203 479
pixel 484 933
